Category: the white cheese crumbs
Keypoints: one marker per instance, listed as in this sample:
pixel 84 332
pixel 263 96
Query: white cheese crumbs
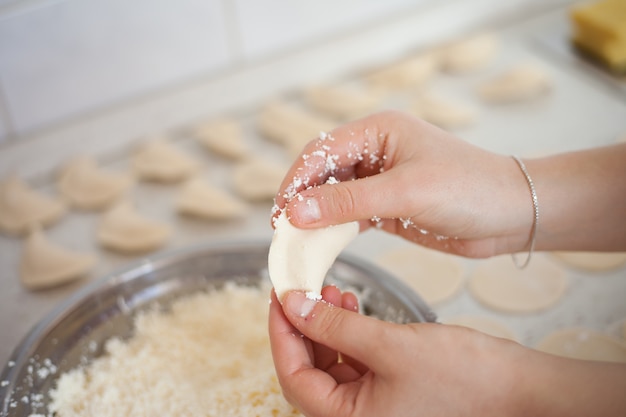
pixel 209 356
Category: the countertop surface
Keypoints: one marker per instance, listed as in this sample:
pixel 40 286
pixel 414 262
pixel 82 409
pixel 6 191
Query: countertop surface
pixel 583 109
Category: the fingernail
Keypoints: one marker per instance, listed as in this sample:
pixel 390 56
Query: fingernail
pixel 299 304
pixel 309 210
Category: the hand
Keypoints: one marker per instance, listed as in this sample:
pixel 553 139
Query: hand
pixel 412 179
pixel 386 369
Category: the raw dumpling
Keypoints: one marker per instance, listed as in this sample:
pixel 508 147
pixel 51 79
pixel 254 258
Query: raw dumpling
pixel 290 126
pixel 443 112
pixel 433 275
pixel 300 258
pixel 258 180
pixel 122 229
pixel 222 136
pixel 44 264
pixel 88 187
pixel 586 344
pixel 157 160
pixel 198 198
pixel 499 284
pixel 411 72
pixel 469 54
pixel 22 208
pixel 519 83
pixel 342 102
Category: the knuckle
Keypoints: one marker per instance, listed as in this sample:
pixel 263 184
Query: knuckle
pixel 342 201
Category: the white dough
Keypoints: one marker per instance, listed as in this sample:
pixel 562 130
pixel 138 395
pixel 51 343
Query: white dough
pixel 435 276
pixel 485 325
pixel 222 136
pixel 158 160
pixel 44 264
pixel 300 258
pixel 199 198
pixel 258 180
pixel 521 82
pixel 22 208
pixel 469 54
pixel 88 187
pixel 291 126
pixel 587 344
pixel 593 261
pixel 411 72
pixel 124 230
pixel 444 112
pixel 500 285
pixel 342 102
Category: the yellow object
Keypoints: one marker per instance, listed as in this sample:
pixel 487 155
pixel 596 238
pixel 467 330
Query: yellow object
pixel 600 30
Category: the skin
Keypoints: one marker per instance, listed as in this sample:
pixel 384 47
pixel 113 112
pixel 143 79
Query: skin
pixel 433 189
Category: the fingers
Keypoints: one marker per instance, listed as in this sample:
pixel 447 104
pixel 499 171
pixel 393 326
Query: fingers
pixel 359 337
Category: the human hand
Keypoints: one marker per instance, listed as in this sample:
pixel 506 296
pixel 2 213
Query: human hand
pixel 412 179
pixel 386 369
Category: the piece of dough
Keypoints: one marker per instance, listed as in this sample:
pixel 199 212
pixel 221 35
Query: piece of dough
pixel 342 102
pixel 22 208
pixel 257 180
pixel 300 258
pixel 500 285
pixel 158 160
pixel 124 230
pixel 434 275
pixel 483 324
pixel 199 198
pixel 522 82
pixel 222 136
pixel 443 112
pixel 291 126
pixel 411 72
pixel 44 264
pixel 587 344
pixel 469 54
pixel 592 261
pixel 88 187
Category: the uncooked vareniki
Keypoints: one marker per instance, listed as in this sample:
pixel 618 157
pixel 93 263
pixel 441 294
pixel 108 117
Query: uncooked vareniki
pixel 88 187
pixel 158 160
pixel 444 112
pixel 124 230
pixel 222 136
pixel 300 258
pixel 44 264
pixel 469 54
pixel 257 180
pixel 22 208
pixel 342 102
pixel 519 83
pixel 199 198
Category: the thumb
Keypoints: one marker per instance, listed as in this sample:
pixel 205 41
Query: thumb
pixel 346 201
pixel 361 337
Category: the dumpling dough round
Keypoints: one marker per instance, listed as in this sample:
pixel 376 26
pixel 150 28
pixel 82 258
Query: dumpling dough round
pixel 222 136
pixel 257 180
pixel 434 275
pixel 122 229
pixel 486 325
pixel 300 258
pixel 519 83
pixel 443 112
pixel 22 208
pixel 88 187
pixel 157 160
pixel 500 285
pixel 469 54
pixel 45 265
pixel 201 199
pixel 592 261
pixel 579 343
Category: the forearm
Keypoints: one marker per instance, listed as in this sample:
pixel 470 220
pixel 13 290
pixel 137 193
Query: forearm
pixel 582 199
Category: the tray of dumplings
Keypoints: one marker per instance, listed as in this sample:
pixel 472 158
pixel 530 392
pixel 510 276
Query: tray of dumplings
pixel 214 179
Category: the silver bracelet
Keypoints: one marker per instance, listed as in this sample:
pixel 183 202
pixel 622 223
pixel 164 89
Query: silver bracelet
pixel 533 230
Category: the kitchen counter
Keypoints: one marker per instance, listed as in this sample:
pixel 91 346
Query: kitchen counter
pixel 583 109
